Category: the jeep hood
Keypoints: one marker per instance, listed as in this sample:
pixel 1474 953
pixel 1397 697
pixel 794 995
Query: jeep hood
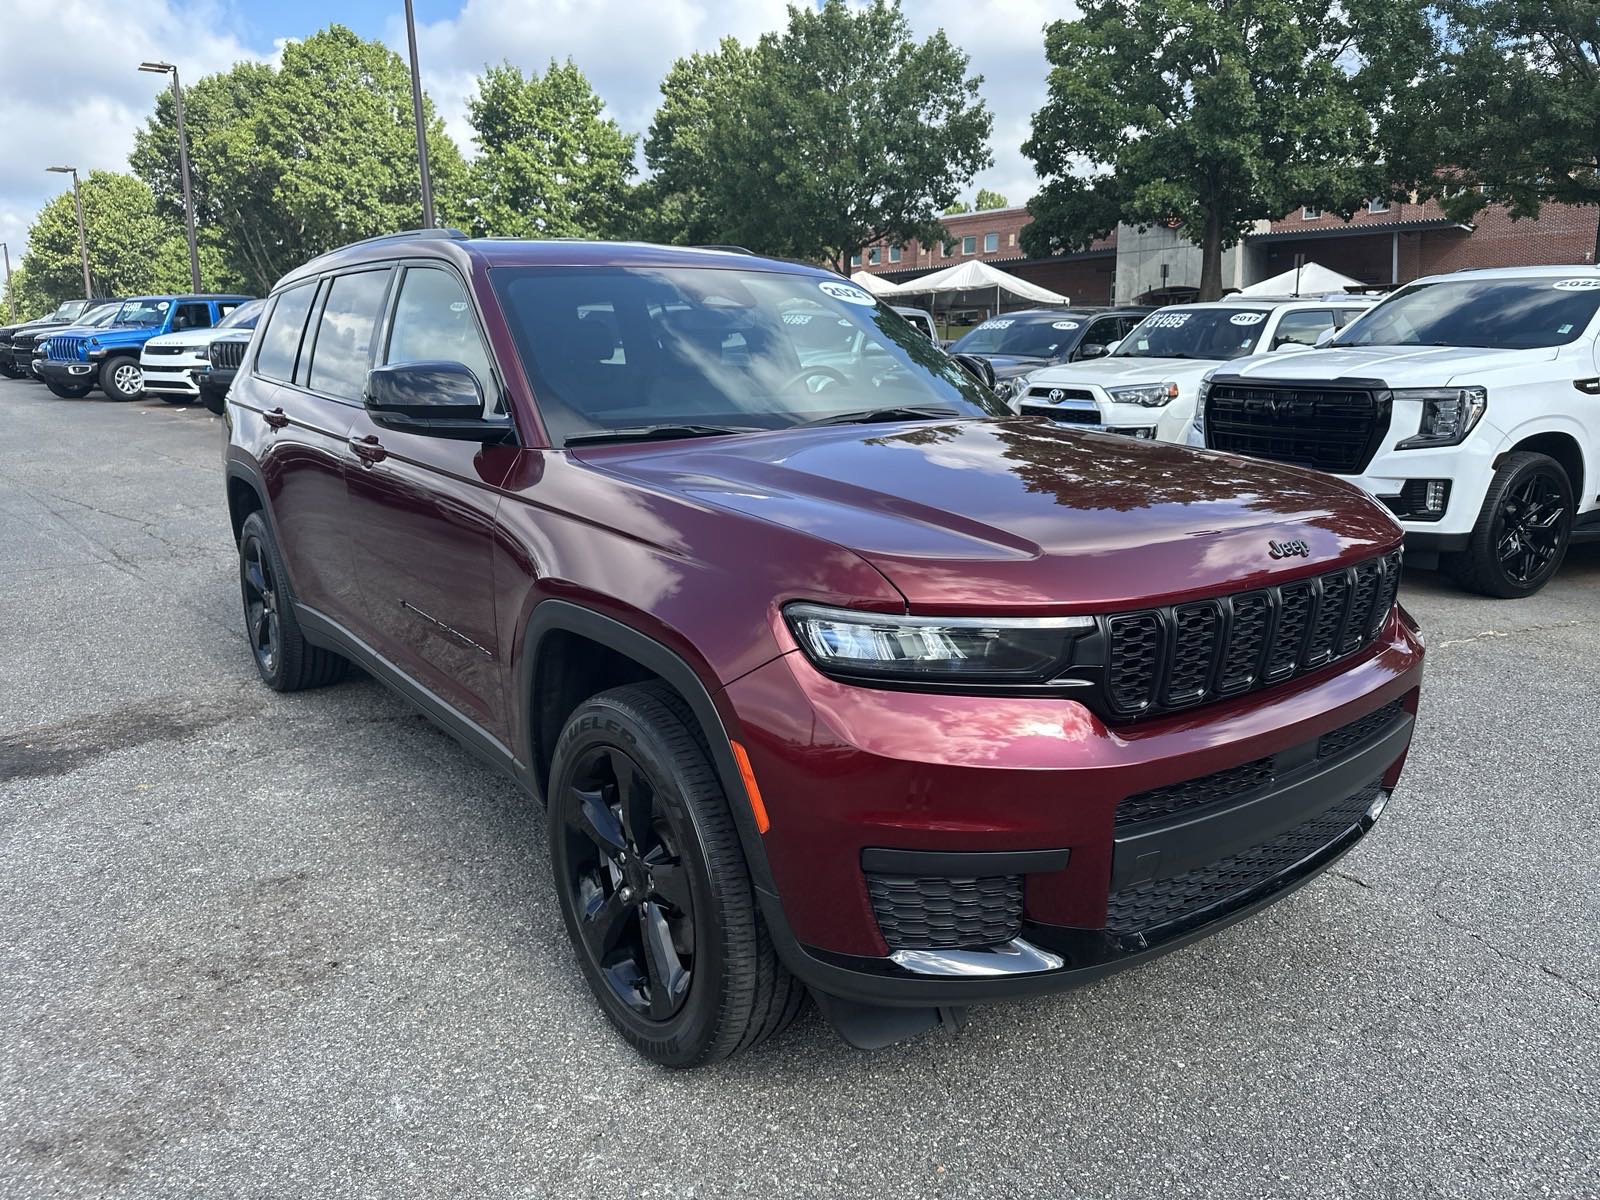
pixel 1018 515
pixel 1397 366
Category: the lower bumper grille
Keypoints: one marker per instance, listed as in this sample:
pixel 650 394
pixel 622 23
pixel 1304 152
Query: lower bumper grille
pixel 925 913
pixel 1147 906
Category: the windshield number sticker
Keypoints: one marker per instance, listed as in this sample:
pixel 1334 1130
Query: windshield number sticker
pixel 792 318
pixel 1006 324
pixel 1247 318
pixel 1576 285
pixel 1063 325
pixel 1169 320
pixel 846 292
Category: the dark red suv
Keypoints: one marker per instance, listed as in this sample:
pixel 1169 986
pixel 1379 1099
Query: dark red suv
pixel 835 678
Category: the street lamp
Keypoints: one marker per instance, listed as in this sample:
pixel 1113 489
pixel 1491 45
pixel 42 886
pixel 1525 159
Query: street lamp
pixel 166 68
pixel 83 238
pixel 11 297
pixel 416 113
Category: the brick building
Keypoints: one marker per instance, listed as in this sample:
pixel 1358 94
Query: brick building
pixel 1382 246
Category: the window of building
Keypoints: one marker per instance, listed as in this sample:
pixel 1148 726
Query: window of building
pixel 874 255
pixel 855 260
pixel 945 250
pixel 969 244
pixel 280 340
pixel 342 354
pixel 991 242
pixel 894 253
pixel 1310 214
pixel 1377 205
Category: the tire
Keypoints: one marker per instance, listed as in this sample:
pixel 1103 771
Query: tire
pixel 67 391
pixel 121 378
pixel 1522 531
pixel 672 877
pixel 283 657
pixel 9 371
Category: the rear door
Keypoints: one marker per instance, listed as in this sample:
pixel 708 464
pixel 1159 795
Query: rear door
pixel 423 512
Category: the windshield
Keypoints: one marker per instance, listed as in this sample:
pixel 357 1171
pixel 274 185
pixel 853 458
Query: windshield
pixel 68 309
pixel 100 317
pixel 1213 333
pixel 626 349
pixel 1025 339
pixel 143 312
pixel 243 317
pixel 1499 314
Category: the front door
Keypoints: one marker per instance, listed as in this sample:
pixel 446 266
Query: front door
pixel 423 515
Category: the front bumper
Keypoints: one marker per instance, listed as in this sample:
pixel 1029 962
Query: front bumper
pixel 73 373
pixel 850 774
pixel 171 376
pixel 1169 423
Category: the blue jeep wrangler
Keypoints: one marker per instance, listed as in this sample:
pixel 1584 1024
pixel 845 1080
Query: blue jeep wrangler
pixel 78 359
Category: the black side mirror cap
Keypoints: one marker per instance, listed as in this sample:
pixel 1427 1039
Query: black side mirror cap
pixel 979 368
pixel 432 399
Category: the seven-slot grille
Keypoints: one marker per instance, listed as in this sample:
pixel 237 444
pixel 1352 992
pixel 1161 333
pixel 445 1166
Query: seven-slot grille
pixel 65 349
pixel 1334 429
pixel 227 354
pixel 1184 655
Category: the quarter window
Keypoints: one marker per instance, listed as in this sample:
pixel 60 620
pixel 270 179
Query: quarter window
pixel 280 340
pixel 433 320
pixel 342 354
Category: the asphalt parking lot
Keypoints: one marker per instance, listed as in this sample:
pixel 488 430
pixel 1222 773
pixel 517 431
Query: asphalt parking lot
pixel 303 946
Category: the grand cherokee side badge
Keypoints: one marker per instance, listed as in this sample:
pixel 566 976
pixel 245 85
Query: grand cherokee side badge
pixel 1294 549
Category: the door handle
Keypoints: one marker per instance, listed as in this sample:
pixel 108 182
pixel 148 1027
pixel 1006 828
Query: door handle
pixel 368 449
pixel 275 417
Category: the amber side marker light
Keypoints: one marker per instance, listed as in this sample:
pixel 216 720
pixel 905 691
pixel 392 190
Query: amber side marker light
pixel 751 790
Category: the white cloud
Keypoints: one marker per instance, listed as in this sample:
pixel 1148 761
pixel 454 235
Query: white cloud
pixel 73 95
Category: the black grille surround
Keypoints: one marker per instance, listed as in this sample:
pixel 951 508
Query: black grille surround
pixel 226 354
pixel 1333 427
pixel 946 913
pixel 1144 907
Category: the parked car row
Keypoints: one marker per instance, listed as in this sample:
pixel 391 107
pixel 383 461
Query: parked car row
pixel 127 347
pixel 1468 404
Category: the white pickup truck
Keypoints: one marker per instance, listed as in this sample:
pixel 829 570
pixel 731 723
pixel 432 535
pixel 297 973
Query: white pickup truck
pixel 1146 387
pixel 1469 404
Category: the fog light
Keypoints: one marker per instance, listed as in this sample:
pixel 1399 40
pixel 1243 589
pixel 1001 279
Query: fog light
pixel 1375 809
pixel 1420 500
pixel 1433 496
pixel 1136 431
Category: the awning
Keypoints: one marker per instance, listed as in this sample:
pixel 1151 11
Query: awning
pixel 978 276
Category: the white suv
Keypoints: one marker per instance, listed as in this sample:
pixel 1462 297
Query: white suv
pixel 172 362
pixel 1468 403
pixel 1147 385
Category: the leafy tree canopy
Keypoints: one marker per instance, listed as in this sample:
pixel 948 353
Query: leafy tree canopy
pixel 550 165
pixel 835 133
pixel 989 199
pixel 1217 113
pixel 956 209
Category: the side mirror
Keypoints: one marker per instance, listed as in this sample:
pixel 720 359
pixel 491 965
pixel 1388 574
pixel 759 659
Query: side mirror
pixel 1290 346
pixel 1094 350
pixel 432 399
pixel 979 368
pixel 1326 336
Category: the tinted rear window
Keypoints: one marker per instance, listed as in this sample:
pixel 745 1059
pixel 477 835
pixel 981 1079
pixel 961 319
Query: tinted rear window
pixel 342 354
pixel 280 340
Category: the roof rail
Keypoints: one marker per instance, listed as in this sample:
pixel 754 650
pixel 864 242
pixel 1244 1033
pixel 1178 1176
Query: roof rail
pixel 454 235
pixel 726 248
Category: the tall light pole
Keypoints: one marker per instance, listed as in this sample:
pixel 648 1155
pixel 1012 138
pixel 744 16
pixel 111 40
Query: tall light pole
pixel 83 238
pixel 416 113
pixel 11 297
pixel 166 68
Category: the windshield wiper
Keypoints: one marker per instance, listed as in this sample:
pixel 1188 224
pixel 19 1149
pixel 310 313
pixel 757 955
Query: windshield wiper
pixel 644 433
pixel 898 412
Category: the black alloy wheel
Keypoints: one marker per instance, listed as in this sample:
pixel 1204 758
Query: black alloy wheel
pixel 284 659
pixel 628 885
pixel 261 619
pixel 1522 532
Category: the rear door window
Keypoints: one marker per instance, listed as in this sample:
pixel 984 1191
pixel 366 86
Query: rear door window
pixel 192 315
pixel 1302 327
pixel 280 340
pixel 342 352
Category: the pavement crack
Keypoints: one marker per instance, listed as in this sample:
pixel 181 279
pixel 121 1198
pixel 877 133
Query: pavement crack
pixel 1491 634
pixel 1500 951
pixel 1356 879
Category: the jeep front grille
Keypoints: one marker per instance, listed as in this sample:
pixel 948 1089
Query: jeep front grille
pixel 1334 429
pixel 1186 654
pixel 65 349
pixel 227 355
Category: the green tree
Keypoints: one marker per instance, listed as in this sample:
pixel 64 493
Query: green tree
pixel 292 162
pixel 837 132
pixel 132 247
pixel 550 165
pixel 956 209
pixel 988 199
pixel 1512 114
pixel 1217 113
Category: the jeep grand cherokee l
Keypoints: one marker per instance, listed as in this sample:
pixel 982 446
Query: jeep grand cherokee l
pixel 835 678
pixel 1469 404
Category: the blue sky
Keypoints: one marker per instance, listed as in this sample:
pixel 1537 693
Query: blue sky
pixel 79 99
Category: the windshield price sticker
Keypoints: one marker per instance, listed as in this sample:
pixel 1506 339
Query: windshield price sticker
pixel 1247 318
pixel 847 293
pixel 1063 325
pixel 1169 320
pixel 1576 285
pixel 793 318
pixel 1006 324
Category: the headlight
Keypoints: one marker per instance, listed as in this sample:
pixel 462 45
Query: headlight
pixel 1448 414
pixel 1199 422
pixel 846 641
pixel 1149 395
pixel 94 341
pixel 1006 388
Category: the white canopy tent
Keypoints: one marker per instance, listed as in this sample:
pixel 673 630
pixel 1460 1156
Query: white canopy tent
pixel 873 285
pixel 1310 279
pixel 978 276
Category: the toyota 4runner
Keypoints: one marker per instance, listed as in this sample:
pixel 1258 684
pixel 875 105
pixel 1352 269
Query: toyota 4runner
pixel 835 678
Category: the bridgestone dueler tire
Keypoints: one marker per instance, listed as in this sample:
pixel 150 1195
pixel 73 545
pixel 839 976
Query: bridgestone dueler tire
pixel 298 664
pixel 1478 568
pixel 740 993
